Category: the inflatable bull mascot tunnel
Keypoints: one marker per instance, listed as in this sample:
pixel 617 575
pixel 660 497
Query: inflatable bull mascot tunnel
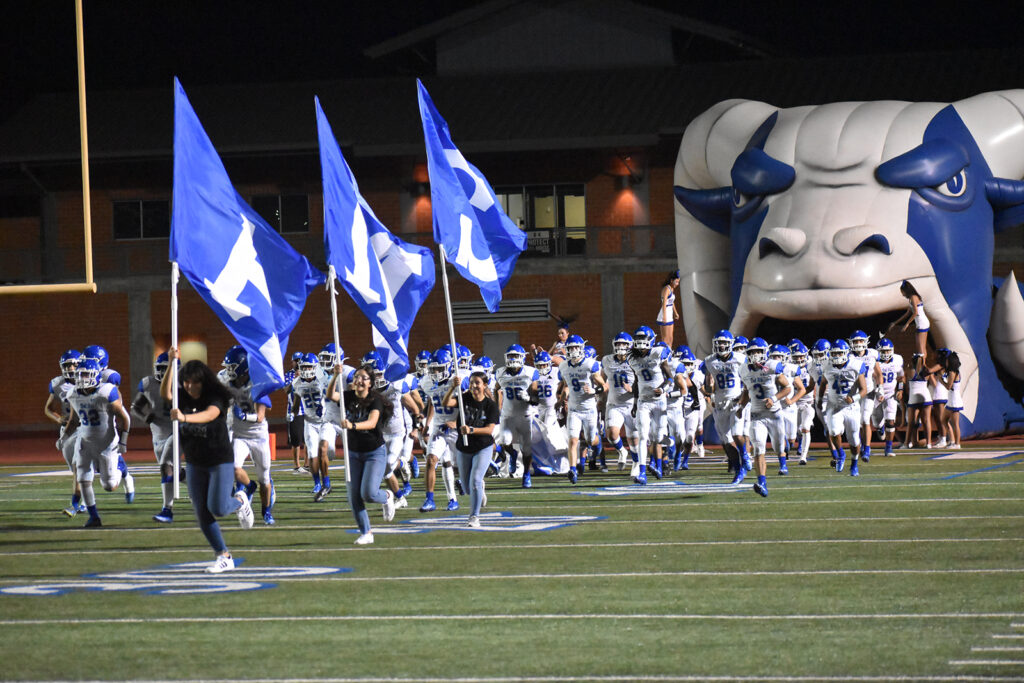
pixel 803 222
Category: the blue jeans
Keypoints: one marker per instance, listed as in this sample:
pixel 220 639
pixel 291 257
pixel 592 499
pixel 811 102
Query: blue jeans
pixel 366 471
pixel 474 466
pixel 210 491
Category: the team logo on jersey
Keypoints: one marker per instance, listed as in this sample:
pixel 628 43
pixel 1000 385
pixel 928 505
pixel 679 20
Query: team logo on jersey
pixel 187 578
pixel 489 521
pixel 661 487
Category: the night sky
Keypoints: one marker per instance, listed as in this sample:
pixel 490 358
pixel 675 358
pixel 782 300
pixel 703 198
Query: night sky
pixel 143 43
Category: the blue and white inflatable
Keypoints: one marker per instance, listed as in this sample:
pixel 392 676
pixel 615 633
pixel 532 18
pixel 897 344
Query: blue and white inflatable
pixel 818 213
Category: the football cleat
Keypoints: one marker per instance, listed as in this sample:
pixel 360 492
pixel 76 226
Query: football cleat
pixel 739 476
pixel 840 463
pixel 641 477
pixel 406 489
pixel 268 518
pixel 428 505
pixel 250 489
pixel 93 522
pixel 320 494
pixel 761 489
pixel 783 471
pixel 854 470
pixel 415 464
pixel 165 516
pixel 527 482
pixel 316 488
pixel 71 511
pixel 453 504
pixel 573 477
pixel 802 461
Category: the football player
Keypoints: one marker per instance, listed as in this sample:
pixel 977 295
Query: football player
pixel 151 407
pixel 889 379
pixel 517 394
pixel 618 405
pixel 58 409
pixel 765 386
pixel 440 439
pixel 579 379
pixel 844 383
pixel 722 383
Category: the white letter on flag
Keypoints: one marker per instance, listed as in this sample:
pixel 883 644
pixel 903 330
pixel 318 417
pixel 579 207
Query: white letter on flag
pixel 241 268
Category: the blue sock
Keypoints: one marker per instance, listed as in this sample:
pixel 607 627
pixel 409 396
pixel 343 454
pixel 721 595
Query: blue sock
pixel 835 454
pixel 633 457
pixel 93 513
pixel 74 500
pixel 888 445
pixel 867 451
pixel 782 461
pixel 327 481
pixel 841 454
pixel 167 479
pixel 762 480
pixel 686 459
pixel 743 451
pixel 430 496
pixel 121 465
pixel 618 443
pixel 700 439
pixel 316 478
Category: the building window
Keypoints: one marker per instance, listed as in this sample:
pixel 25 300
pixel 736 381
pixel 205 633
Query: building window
pixel 553 216
pixel 142 219
pixel 284 212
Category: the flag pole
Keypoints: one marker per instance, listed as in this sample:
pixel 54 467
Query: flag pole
pixel 331 276
pixel 451 338
pixel 175 364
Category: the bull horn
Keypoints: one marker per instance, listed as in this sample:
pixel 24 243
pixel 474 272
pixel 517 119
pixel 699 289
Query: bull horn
pixel 1006 328
pixel 996 121
pixel 710 145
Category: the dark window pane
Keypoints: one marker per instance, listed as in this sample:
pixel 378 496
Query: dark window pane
pixel 127 220
pixel 294 213
pixel 541 206
pixel 268 207
pixel 156 218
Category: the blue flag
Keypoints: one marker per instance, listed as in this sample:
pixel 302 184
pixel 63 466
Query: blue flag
pixel 387 278
pixel 469 224
pixel 252 279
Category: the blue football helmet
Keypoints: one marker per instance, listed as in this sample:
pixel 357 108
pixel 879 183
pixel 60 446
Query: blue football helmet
pixel 641 342
pixel 87 375
pixel 98 354
pixel 839 354
pixel 160 366
pixel 722 343
pixel 589 352
pixel 484 364
pixel 307 366
pixel 422 361
pixel 740 345
pixel 236 362
pixel 69 361
pixel 542 361
pixel 778 352
pixel 622 344
pixel 757 351
pixel 885 349
pixel 859 342
pixel 330 356
pixel 820 350
pixel 297 356
pixel 465 356
pixel 372 361
pixel 574 348
pixel 441 363
pixel 515 357
pixel 798 352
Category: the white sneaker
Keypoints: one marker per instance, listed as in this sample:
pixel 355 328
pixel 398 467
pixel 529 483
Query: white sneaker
pixel 401 503
pixel 941 443
pixel 389 506
pixel 300 470
pixel 474 522
pixel 365 539
pixel 954 446
pixel 223 563
pixel 700 450
pixel 245 516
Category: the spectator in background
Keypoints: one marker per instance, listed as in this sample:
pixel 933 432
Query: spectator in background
pixel 557 350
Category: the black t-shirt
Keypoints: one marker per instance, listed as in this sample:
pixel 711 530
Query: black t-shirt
pixel 478 414
pixel 364 440
pixel 205 444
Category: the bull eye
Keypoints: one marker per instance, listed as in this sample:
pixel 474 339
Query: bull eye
pixel 739 200
pixel 955 186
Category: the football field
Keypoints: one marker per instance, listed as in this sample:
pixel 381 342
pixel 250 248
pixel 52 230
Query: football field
pixel 912 571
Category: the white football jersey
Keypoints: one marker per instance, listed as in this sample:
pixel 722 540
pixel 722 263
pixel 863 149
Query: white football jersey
pixel 514 388
pixel 726 375
pixel 761 383
pixel 577 379
pixel 648 371
pixel 620 377
pixel 95 416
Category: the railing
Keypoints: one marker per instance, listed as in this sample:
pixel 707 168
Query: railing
pixel 149 257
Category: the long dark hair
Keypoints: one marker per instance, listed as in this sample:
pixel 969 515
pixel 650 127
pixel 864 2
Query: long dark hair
pixel 906 289
pixel 198 371
pixel 371 395
pixel 674 275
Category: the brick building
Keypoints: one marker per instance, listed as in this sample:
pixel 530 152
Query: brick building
pixel 577 130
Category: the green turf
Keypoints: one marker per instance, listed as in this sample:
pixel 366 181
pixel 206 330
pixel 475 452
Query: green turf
pixel 897 573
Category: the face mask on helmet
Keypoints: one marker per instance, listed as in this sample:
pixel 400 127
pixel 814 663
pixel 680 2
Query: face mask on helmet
pixel 756 355
pixel 69 365
pixel 722 346
pixel 838 356
pixel 327 360
pixel 378 381
pixel 307 370
pixel 574 352
pixel 885 352
pixel 514 360
pixel 160 369
pixel 622 347
pixel 800 359
pixel 88 375
pixel 641 342
pixel 859 346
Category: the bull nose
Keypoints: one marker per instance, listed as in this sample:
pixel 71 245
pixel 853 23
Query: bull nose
pixel 860 239
pixel 785 241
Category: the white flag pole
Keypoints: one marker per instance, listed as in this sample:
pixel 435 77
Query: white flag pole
pixel 175 366
pixel 451 337
pixel 331 276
